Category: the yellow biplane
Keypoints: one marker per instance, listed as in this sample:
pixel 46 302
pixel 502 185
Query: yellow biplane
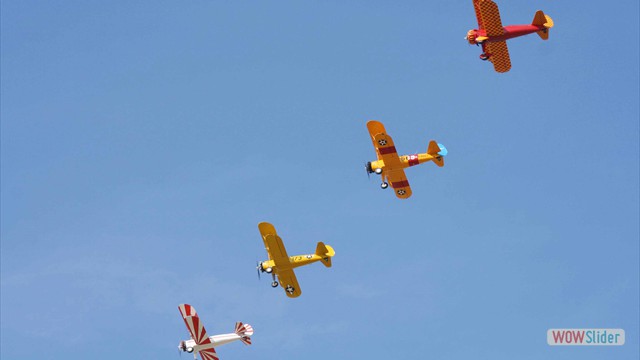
pixel 391 166
pixel 281 265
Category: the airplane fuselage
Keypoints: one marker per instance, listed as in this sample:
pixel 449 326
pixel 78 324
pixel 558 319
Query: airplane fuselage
pixel 405 161
pixel 510 31
pixel 216 340
pixel 294 262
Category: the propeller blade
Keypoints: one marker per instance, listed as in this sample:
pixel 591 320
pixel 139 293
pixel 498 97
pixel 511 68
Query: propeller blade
pixel 258 269
pixel 366 168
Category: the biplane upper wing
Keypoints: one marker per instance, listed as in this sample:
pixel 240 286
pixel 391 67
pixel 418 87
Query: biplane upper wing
pixel 383 143
pixel 276 250
pixel 289 283
pixel 476 7
pixel 266 229
pixel 197 332
pixel 489 18
pixel 498 55
pixel 399 183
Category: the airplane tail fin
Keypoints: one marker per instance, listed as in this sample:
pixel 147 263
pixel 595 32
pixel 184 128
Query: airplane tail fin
pixel 244 331
pixel 541 19
pixel 326 252
pixel 438 151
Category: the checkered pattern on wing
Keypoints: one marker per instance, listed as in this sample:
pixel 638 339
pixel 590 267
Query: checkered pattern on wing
pixel 490 17
pixel 478 15
pixel 499 56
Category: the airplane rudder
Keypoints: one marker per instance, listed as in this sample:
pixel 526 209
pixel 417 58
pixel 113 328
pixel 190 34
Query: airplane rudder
pixel 542 19
pixel 325 252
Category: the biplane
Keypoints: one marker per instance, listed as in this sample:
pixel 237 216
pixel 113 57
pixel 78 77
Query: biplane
pixel 492 36
pixel 280 265
pixel 391 166
pixel 203 344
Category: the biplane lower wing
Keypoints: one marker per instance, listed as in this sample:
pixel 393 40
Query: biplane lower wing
pixel 289 283
pixel 399 183
pixel 498 55
pixel 208 354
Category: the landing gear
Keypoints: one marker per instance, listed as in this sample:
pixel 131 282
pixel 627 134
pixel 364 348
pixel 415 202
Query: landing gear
pixel 484 57
pixel 384 185
pixel 274 284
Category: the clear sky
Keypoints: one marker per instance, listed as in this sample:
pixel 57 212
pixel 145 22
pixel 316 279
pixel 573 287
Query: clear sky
pixel 143 141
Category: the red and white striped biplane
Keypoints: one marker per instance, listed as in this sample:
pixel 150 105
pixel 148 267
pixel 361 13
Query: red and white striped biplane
pixel 203 344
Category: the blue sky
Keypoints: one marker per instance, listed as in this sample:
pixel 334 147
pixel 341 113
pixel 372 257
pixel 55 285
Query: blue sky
pixel 142 142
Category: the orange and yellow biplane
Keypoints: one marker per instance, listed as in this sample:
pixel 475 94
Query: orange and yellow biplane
pixel 281 265
pixel 493 36
pixel 391 166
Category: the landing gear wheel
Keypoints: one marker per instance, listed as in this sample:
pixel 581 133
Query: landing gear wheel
pixel 484 57
pixel 274 284
pixel 378 171
pixel 384 185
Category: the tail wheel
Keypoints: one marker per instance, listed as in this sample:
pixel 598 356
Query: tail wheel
pixel 384 185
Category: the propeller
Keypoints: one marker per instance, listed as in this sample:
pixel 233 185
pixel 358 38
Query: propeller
pixel 258 268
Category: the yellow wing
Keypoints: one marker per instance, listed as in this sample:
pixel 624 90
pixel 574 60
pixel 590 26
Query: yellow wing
pixel 276 251
pixel 375 128
pixel 383 143
pixel 399 183
pixel 266 229
pixel 289 283
pixel 499 56
pixel 490 17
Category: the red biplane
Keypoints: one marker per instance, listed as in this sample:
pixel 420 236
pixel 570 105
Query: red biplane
pixel 493 36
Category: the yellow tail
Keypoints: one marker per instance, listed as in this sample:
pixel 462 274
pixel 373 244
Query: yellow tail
pixel 326 252
pixel 540 19
pixel 438 152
